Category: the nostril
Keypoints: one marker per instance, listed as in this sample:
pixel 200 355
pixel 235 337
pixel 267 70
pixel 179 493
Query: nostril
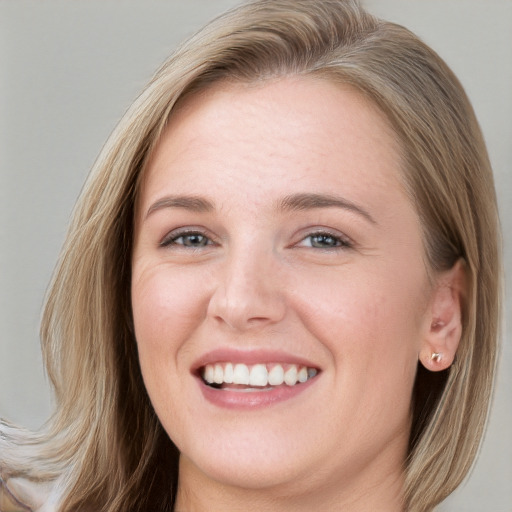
pixel 241 302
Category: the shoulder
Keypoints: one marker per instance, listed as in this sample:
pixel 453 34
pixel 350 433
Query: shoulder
pixel 23 495
pixel 24 486
pixel 9 500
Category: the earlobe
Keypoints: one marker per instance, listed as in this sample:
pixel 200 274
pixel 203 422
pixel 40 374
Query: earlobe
pixel 443 329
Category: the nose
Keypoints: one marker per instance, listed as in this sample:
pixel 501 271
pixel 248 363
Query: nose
pixel 249 293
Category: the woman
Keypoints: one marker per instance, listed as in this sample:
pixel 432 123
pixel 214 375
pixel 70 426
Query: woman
pixel 282 309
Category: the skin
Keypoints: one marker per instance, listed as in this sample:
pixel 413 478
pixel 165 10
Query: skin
pixel 361 309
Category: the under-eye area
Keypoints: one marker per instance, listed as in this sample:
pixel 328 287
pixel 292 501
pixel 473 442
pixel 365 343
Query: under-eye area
pixel 257 377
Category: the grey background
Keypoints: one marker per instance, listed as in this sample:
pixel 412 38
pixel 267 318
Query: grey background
pixel 69 69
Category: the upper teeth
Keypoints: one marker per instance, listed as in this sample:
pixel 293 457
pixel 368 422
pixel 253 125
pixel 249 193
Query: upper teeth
pixel 257 375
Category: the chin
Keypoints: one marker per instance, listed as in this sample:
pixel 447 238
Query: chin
pixel 256 458
pixel 252 471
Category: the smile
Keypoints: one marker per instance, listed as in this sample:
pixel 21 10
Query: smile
pixel 243 377
pixel 253 379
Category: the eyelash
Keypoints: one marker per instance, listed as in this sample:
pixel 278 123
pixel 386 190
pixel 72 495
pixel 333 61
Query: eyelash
pixel 173 237
pixel 338 242
pixel 341 242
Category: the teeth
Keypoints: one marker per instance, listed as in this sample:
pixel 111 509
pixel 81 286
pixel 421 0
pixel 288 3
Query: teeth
pixel 241 374
pixel 290 376
pixel 208 374
pixel 228 374
pixel 302 376
pixel 257 375
pixel 276 375
pixel 218 374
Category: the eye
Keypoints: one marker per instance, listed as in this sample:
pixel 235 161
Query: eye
pixel 189 239
pixel 325 240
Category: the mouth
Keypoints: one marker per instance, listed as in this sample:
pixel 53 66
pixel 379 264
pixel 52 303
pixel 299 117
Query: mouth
pixel 240 377
pixel 254 379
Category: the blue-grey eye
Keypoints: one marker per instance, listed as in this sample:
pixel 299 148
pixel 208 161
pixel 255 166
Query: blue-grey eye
pixel 191 240
pixel 324 241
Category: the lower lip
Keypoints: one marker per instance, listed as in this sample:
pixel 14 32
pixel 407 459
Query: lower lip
pixel 231 399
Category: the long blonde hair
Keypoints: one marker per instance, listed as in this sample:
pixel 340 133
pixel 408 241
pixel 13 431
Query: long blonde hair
pixel 104 442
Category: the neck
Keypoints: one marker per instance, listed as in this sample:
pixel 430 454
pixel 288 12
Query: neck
pixel 365 492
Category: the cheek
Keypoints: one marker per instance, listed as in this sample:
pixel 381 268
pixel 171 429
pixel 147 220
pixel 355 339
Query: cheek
pixel 167 307
pixel 367 321
pixel 371 324
pixel 360 312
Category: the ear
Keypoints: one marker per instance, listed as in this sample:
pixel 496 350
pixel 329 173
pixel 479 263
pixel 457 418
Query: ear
pixel 443 325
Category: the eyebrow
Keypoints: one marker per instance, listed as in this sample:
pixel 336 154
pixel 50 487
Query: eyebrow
pixel 192 203
pixel 294 202
pixel 308 201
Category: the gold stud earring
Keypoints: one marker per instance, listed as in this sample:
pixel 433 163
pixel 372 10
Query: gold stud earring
pixel 436 357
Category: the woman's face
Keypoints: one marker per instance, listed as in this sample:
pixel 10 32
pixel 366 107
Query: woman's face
pixel 275 242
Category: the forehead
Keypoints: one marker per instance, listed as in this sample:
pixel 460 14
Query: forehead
pixel 297 129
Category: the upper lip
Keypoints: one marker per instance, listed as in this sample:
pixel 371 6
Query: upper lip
pixel 264 356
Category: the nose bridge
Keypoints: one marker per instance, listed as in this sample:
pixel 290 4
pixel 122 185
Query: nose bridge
pixel 249 292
